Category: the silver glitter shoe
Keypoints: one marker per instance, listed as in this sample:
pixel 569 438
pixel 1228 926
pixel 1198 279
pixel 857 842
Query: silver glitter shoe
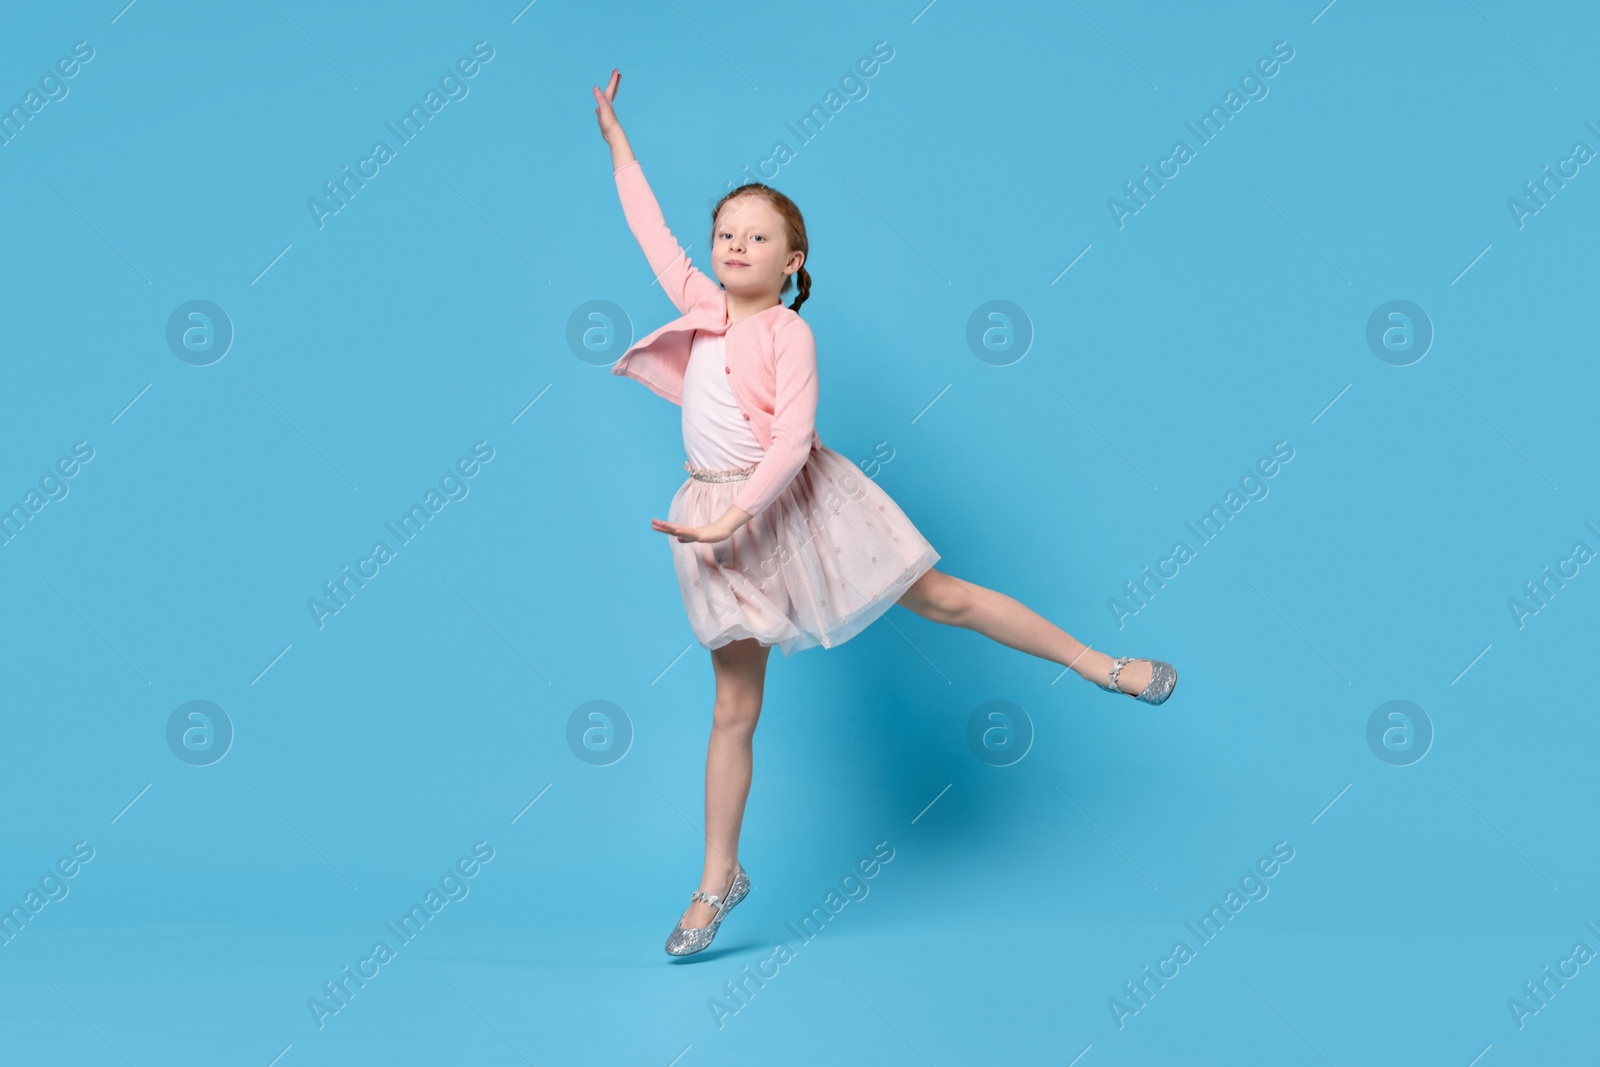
pixel 1163 680
pixel 685 941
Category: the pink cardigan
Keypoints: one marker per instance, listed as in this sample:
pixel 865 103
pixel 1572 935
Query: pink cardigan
pixel 771 355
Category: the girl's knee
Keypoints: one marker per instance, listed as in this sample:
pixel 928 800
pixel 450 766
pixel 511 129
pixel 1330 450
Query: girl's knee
pixel 941 597
pixel 735 713
pixel 954 599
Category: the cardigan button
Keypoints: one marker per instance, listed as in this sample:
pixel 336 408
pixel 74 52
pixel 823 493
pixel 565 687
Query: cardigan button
pixel 747 416
pixel 729 370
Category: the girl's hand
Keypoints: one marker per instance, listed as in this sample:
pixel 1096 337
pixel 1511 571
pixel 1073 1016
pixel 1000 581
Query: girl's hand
pixel 605 112
pixel 709 534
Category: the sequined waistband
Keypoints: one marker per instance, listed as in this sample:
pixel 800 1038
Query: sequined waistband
pixel 735 474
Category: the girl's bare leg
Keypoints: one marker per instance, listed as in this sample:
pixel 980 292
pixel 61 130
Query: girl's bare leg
pixel 954 602
pixel 741 670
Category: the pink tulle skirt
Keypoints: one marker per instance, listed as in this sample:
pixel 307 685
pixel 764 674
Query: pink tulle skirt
pixel 829 556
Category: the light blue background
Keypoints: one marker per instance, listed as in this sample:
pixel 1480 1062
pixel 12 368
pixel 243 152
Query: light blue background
pixel 431 312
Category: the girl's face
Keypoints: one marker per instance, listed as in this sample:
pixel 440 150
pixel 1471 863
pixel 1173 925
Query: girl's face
pixel 750 248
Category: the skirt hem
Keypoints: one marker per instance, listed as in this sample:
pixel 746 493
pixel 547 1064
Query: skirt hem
pixel 847 627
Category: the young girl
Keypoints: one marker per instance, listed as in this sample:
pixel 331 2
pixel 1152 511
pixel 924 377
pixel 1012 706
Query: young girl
pixel 779 540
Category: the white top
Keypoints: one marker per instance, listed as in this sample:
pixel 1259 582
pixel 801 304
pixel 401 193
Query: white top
pixel 716 435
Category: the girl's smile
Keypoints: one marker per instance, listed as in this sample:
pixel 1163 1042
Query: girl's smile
pixel 750 250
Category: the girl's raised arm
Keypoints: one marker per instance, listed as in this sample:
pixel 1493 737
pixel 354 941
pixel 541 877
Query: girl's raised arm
pixel 683 282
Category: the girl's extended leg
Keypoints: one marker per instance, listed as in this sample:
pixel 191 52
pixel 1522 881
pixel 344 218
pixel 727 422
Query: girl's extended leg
pixel 741 670
pixel 954 602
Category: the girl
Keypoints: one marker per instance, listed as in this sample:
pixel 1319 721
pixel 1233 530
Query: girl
pixel 779 540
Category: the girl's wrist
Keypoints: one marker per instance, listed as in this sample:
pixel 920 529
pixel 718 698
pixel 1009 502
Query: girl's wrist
pixel 621 153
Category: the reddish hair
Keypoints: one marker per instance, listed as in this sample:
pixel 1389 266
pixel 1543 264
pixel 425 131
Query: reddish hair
pixel 794 224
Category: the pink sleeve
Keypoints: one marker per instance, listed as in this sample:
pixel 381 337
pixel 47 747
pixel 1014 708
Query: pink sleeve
pixel 793 419
pixel 681 280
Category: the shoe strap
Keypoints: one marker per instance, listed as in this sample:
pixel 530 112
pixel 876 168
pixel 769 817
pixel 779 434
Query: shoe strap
pixel 709 898
pixel 1116 669
pixel 712 899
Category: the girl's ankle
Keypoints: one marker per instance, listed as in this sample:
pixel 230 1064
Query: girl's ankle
pixel 719 878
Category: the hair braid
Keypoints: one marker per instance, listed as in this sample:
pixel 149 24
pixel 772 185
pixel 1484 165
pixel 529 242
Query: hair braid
pixel 804 289
pixel 794 222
